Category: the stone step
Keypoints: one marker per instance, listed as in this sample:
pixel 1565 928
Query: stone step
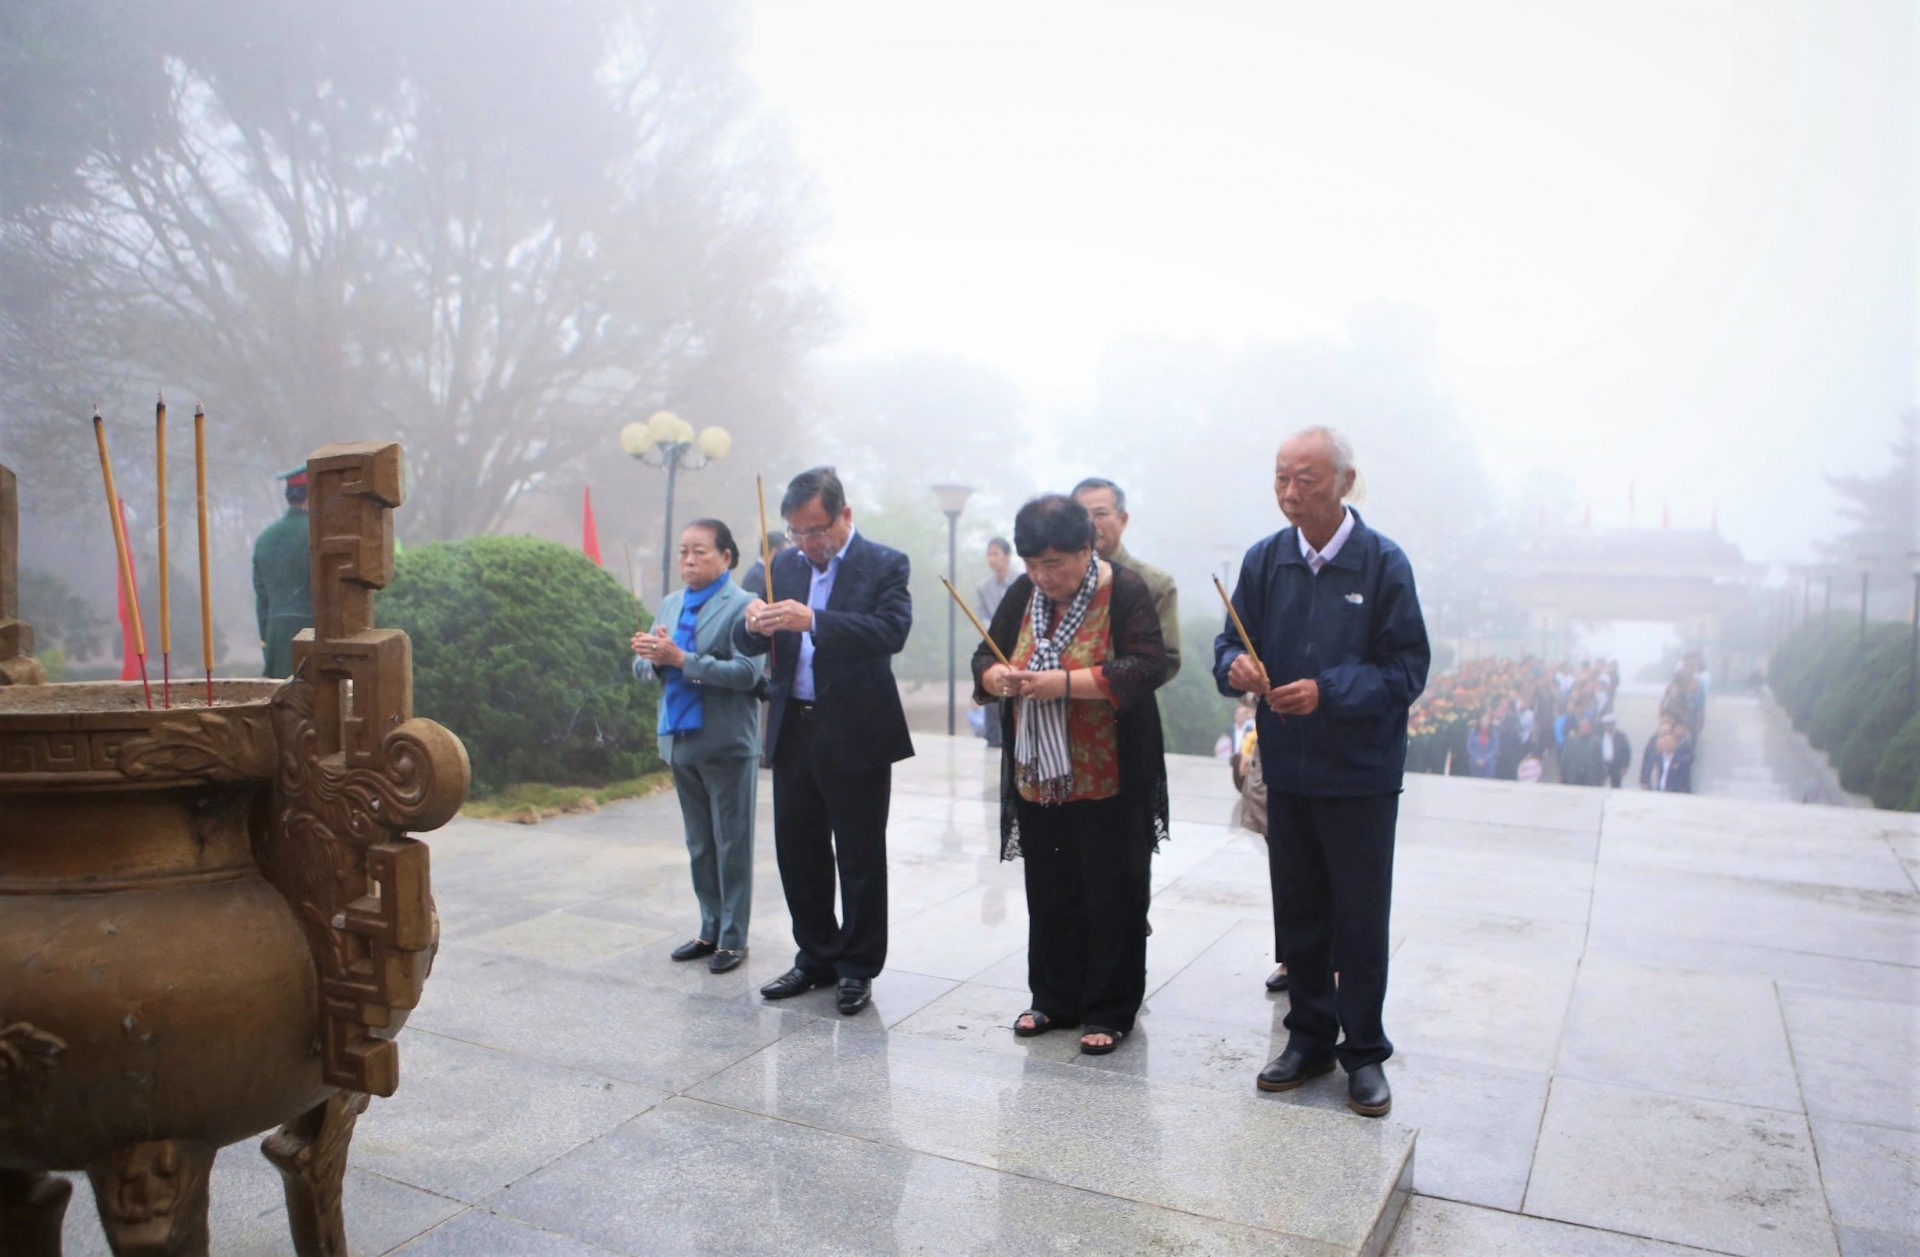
pixel 1326 1182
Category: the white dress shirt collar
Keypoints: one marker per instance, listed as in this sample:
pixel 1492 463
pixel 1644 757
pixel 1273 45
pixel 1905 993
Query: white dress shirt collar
pixel 1317 559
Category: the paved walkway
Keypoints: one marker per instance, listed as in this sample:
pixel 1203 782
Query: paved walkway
pixel 1626 1024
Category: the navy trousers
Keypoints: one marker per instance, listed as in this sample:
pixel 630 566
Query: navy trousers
pixel 1331 866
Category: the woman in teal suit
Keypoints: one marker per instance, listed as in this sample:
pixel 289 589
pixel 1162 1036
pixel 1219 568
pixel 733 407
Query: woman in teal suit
pixel 709 734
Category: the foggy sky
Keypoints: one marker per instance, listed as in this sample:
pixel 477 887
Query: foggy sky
pixel 1666 245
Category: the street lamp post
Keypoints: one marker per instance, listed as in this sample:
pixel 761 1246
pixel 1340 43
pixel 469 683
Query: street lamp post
pixel 667 440
pixel 953 500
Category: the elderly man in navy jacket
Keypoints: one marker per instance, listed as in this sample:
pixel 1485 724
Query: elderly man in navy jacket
pixel 1331 609
pixel 840 612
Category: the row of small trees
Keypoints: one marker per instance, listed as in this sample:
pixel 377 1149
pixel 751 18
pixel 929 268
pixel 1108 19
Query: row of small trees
pixel 1848 692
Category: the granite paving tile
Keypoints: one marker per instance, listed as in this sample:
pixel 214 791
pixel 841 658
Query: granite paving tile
pixel 1855 1242
pixel 1226 982
pixel 247 1211
pixel 479 1231
pixel 1856 1058
pixel 468 1120
pixel 1826 920
pixel 897 995
pixel 701 1178
pixel 982 1016
pixel 1318 1175
pixel 1713 1036
pixel 1862 862
pixel 610 1026
pixel 1721 814
pixel 566 939
pixel 1872 1175
pixel 1477 1124
pixel 1572 808
pixel 960 936
pixel 1233 899
pixel 1445 1228
pixel 1506 1009
pixel 1831 975
pixel 1416 831
pixel 1439 879
pixel 1720 1176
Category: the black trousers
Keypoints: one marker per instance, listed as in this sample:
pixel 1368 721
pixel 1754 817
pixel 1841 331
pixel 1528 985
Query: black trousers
pixel 826 820
pixel 1331 866
pixel 1088 882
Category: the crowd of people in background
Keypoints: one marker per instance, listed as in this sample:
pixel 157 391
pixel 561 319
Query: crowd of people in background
pixel 1526 720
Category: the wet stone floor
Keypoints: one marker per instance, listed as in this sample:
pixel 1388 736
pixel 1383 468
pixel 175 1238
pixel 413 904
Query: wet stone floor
pixel 1626 1024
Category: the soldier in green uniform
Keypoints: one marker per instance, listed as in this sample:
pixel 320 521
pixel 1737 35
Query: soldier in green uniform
pixel 282 596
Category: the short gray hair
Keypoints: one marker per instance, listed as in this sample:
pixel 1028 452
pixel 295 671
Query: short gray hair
pixel 1101 482
pixel 1336 440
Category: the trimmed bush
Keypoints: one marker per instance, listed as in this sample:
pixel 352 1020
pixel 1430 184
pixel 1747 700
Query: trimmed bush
pixel 1848 687
pixel 1897 777
pixel 1859 756
pixel 520 646
pixel 1791 672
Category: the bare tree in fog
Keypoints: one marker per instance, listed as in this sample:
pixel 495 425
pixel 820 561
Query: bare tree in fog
pixel 1191 431
pixel 492 230
pixel 1879 511
pixel 920 419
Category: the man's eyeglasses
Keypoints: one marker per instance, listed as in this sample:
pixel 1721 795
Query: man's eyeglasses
pixel 799 536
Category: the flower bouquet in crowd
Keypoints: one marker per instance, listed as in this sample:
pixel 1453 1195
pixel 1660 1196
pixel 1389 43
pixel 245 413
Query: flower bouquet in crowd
pixel 1511 690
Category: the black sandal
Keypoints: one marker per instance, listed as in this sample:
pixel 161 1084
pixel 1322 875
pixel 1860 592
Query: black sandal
pixel 1115 1037
pixel 1041 1024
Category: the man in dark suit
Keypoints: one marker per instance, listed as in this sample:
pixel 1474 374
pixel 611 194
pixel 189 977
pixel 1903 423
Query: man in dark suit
pixel 841 611
pixel 1668 765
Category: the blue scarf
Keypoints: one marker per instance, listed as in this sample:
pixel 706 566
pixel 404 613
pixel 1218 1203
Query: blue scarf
pixel 681 709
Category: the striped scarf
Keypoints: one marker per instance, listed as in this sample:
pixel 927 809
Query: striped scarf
pixel 1040 753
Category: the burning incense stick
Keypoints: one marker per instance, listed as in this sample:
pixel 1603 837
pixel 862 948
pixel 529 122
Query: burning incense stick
pixel 1245 640
pixel 200 509
pixel 975 621
pixel 766 559
pixel 127 590
pixel 160 495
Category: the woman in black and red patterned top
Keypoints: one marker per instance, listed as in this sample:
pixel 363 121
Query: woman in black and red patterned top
pixel 1083 795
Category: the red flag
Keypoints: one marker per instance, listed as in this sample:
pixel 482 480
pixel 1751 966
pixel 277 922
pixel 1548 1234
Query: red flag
pixel 1663 515
pixel 589 535
pixel 129 657
pixel 1587 522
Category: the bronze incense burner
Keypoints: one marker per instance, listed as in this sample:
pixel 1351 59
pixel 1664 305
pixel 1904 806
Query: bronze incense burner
pixel 212 919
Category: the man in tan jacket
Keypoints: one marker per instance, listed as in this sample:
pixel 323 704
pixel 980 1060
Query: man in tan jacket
pixel 1107 503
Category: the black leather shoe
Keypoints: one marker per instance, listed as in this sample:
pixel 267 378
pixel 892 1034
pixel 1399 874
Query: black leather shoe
pixel 795 981
pixel 1277 980
pixel 855 994
pixel 1291 1068
pixel 726 961
pixel 1367 1091
pixel 693 949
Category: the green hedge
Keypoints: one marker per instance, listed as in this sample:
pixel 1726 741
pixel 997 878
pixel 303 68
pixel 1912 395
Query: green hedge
pixel 1896 778
pixel 520 646
pixel 1851 701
